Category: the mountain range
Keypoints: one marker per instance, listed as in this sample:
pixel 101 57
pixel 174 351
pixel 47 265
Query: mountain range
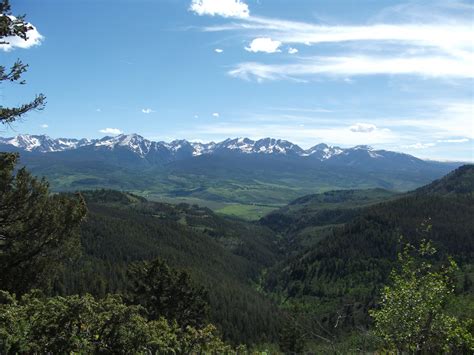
pixel 254 176
pixel 181 149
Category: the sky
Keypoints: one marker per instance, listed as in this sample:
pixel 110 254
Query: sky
pixel 393 75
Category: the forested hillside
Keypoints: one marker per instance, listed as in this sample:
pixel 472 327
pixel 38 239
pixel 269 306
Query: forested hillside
pixel 308 219
pixel 225 256
pixel 340 276
pixel 89 272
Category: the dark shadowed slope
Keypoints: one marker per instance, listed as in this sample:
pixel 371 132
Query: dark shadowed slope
pixel 225 256
pixel 349 265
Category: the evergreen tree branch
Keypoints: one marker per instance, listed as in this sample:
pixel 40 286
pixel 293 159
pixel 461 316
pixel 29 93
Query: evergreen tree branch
pixel 9 115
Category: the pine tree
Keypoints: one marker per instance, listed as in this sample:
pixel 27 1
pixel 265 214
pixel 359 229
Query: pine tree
pixel 164 292
pixel 292 338
pixel 38 230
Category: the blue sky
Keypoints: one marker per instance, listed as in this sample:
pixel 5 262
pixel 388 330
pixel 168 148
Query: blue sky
pixel 394 75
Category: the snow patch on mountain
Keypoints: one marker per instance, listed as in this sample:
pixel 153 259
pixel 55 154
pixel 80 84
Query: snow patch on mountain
pixel 42 143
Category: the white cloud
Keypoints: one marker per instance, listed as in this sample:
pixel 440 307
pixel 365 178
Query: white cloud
pixel 433 43
pixel 216 115
pixel 224 8
pixel 292 50
pixel 44 125
pixel 426 66
pixel 113 131
pixel 363 127
pixel 460 140
pixel 98 110
pixel 34 39
pixel 264 44
pixel 196 116
pixel 419 145
pixel 448 36
pixel 218 50
pixel 147 110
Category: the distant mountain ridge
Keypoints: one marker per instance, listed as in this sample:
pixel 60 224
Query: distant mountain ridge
pixel 265 172
pixel 43 143
pixel 179 149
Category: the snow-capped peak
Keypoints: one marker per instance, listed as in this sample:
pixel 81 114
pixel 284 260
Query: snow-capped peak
pixel 133 142
pixel 28 142
pixel 323 151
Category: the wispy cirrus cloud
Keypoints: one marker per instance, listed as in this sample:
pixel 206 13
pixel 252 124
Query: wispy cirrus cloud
pixel 429 41
pixel 458 140
pixel 440 120
pixel 356 65
pixel 301 109
pixel 420 145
